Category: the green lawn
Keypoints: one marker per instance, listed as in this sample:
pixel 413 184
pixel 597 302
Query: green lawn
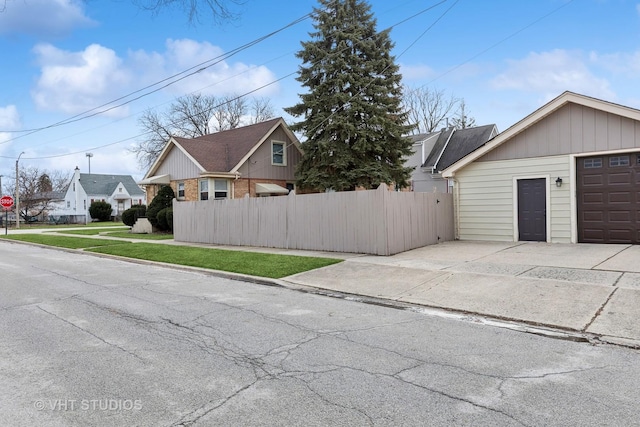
pixel 128 235
pixel 119 234
pixel 62 241
pixel 252 263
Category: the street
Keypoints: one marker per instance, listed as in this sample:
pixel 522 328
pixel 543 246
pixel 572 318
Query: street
pixel 95 341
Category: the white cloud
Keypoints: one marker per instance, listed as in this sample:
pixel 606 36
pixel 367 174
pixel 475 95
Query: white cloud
pixel 416 72
pixel 624 63
pixel 72 82
pixel 9 118
pixel 43 17
pixel 219 77
pixel 551 73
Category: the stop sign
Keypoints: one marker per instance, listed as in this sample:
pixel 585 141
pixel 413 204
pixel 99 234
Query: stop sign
pixel 6 201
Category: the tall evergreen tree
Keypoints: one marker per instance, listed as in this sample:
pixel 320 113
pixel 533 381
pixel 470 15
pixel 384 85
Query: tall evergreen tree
pixel 352 115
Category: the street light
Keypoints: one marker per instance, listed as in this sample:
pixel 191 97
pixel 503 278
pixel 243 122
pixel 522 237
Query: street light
pixel 18 193
pixel 89 156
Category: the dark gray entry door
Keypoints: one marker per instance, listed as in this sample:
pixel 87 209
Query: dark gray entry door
pixel 532 210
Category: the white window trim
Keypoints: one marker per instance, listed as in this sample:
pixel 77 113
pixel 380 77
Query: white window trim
pixel 284 153
pixel 183 190
pixel 226 181
pixel 200 189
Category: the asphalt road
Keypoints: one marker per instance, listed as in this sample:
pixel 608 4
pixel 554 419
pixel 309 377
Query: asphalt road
pixel 94 341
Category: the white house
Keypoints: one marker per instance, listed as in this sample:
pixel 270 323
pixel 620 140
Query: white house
pixel 121 191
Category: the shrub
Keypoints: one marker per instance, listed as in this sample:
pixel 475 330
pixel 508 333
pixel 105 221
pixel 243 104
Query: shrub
pixel 161 218
pixel 100 211
pixel 152 214
pixel 170 219
pixel 130 216
pixel 163 199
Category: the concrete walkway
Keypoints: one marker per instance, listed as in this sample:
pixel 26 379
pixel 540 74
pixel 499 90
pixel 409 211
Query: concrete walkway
pixel 589 289
pixel 585 288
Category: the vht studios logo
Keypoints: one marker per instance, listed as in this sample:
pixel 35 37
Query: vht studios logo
pixel 88 405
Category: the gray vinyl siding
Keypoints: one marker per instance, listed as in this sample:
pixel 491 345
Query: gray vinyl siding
pixel 261 166
pixel 572 129
pixel 178 166
pixel 486 197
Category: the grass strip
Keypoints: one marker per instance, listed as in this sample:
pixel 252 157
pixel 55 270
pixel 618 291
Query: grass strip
pixel 128 235
pixel 253 263
pixel 63 241
pixel 119 234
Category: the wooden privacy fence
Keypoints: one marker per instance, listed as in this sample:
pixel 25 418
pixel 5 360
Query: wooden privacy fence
pixel 379 222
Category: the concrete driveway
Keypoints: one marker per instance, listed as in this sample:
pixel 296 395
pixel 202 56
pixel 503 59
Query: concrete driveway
pixel 586 288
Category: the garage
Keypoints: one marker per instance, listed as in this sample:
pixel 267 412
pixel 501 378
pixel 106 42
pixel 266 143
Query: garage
pixel 608 198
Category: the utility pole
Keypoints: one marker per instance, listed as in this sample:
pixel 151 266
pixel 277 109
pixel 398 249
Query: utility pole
pixel 1 184
pixel 89 156
pixel 18 193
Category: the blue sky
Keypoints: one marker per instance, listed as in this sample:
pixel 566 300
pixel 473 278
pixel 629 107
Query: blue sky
pixel 506 58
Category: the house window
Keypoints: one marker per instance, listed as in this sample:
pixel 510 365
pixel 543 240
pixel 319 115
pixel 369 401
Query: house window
pixel 120 189
pixel 68 204
pixel 181 190
pixel 204 189
pixel 592 163
pixel 221 189
pixel 278 153
pixel 85 204
pixel 616 161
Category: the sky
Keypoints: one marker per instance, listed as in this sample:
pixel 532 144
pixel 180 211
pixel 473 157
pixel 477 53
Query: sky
pixel 60 59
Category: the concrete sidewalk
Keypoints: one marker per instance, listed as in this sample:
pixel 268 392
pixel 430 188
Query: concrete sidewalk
pixel 590 289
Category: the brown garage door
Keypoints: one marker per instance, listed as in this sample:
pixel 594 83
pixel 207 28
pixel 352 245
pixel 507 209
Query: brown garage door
pixel 609 198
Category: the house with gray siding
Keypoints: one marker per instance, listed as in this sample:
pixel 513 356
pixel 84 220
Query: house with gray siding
pixel 569 173
pixel 435 151
pixel 255 160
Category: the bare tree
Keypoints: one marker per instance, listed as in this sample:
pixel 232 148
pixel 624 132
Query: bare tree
pixel 228 113
pixel 195 115
pixel 462 120
pixel 217 11
pixel 428 109
pixel 38 190
pixel 261 110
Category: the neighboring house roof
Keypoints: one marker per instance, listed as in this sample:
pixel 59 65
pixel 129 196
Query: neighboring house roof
pixel 106 184
pixel 49 195
pixel 223 152
pixel 537 116
pixel 454 144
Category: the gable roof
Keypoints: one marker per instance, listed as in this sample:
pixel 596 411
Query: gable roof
pixel 454 144
pixel 225 151
pixel 537 116
pixel 106 184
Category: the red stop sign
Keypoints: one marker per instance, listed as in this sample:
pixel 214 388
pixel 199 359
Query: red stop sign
pixel 6 201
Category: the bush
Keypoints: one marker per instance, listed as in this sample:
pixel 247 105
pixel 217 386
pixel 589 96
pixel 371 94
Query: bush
pixel 130 216
pixel 170 219
pixel 161 217
pixel 162 200
pixel 152 214
pixel 100 211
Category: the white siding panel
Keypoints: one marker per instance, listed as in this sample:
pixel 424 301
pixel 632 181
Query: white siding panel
pixel 486 203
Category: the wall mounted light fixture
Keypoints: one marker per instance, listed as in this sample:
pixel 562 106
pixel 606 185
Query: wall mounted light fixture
pixel 559 182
